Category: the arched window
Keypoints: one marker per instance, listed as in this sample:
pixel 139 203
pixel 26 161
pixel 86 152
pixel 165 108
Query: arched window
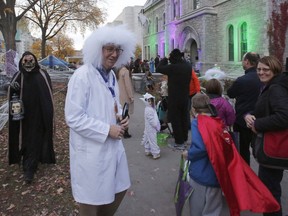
pixel 196 4
pixel 231 43
pixel 164 21
pixel 172 44
pixel 148 57
pixel 163 49
pixel 156 24
pixel 156 49
pixel 174 9
pixel 243 39
pixel 149 26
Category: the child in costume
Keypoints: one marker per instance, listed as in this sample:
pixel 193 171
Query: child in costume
pixel 216 167
pixel 152 126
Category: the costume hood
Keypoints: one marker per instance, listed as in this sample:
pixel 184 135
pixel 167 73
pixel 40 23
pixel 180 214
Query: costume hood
pixel 118 35
pixel 176 56
pixel 146 97
pixel 35 69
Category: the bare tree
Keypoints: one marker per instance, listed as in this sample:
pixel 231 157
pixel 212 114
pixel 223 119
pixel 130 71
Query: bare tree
pixel 52 16
pixel 9 19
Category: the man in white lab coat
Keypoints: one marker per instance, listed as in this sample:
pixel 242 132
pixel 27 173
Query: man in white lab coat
pixel 98 164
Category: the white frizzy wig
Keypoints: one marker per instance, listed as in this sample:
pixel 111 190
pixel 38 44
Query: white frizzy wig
pixel 118 35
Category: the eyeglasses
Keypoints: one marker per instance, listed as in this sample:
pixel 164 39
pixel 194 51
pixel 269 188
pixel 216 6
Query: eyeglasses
pixel 263 69
pixel 111 49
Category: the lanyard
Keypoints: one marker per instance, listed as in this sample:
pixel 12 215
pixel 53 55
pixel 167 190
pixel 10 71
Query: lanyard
pixel 106 79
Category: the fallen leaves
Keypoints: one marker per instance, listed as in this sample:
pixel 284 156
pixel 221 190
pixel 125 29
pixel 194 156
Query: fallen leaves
pixel 50 192
pixel 60 190
pixel 11 207
pixel 25 192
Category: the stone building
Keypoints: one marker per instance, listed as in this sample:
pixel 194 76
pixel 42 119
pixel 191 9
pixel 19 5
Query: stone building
pixel 211 32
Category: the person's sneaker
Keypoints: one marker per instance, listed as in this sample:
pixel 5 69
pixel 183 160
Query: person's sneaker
pixel 177 146
pixel 148 154
pixel 157 156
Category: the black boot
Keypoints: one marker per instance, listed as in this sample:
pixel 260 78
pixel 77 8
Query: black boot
pixel 28 176
pixel 126 134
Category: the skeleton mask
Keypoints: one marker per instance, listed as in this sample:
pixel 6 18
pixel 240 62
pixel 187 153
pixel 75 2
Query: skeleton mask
pixel 16 108
pixel 28 62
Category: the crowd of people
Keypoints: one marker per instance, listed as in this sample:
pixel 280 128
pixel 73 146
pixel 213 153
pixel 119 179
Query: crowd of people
pixel 94 113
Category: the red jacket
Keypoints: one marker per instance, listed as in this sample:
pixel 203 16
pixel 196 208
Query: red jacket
pixel 242 188
pixel 194 84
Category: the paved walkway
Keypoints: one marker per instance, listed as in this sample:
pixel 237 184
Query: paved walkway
pixel 153 181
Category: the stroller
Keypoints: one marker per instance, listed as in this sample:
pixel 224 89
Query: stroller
pixel 162 109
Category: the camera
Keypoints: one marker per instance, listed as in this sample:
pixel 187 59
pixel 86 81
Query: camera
pixel 125 111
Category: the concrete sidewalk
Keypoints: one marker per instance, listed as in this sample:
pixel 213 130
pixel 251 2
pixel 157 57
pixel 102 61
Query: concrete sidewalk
pixel 154 181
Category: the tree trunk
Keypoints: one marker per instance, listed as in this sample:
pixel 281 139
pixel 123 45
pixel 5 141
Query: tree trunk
pixel 9 31
pixel 43 45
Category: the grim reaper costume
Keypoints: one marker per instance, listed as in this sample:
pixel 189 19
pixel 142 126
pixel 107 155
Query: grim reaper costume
pixel 31 139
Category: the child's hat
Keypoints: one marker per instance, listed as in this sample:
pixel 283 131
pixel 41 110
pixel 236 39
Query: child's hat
pixel 148 96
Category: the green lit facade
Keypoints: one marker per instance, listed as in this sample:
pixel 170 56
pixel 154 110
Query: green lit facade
pixel 209 31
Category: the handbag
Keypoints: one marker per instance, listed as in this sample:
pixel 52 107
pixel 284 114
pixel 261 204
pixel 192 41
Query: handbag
pixel 271 149
pixel 183 188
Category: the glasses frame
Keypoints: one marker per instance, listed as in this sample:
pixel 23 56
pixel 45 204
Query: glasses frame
pixel 111 49
pixel 265 70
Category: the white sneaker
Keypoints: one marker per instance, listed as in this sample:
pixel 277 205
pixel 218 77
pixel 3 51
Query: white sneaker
pixel 157 156
pixel 148 154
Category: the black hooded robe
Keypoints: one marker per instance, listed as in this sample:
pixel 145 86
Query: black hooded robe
pixel 32 137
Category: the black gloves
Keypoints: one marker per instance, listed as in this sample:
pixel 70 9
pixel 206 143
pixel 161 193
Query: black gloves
pixel 15 85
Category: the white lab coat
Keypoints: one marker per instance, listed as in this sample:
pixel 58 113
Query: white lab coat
pixel 98 163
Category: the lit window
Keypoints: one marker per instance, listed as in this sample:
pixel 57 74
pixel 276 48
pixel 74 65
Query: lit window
pixel 243 38
pixel 231 43
pixel 196 4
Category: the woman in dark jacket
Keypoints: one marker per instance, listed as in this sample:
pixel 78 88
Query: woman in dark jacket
pixel 270 114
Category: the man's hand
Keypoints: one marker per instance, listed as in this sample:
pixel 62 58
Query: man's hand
pixel 249 119
pixel 116 131
pixel 124 122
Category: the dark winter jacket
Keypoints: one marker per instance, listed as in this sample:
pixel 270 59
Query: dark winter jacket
pixel 271 109
pixel 179 76
pixel 246 90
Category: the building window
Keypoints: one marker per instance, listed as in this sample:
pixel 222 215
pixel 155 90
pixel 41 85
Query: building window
pixel 156 24
pixel 149 26
pixel 148 57
pixel 174 9
pixel 196 4
pixel 243 39
pixel 164 21
pixel 231 43
pixel 163 49
pixel 156 49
